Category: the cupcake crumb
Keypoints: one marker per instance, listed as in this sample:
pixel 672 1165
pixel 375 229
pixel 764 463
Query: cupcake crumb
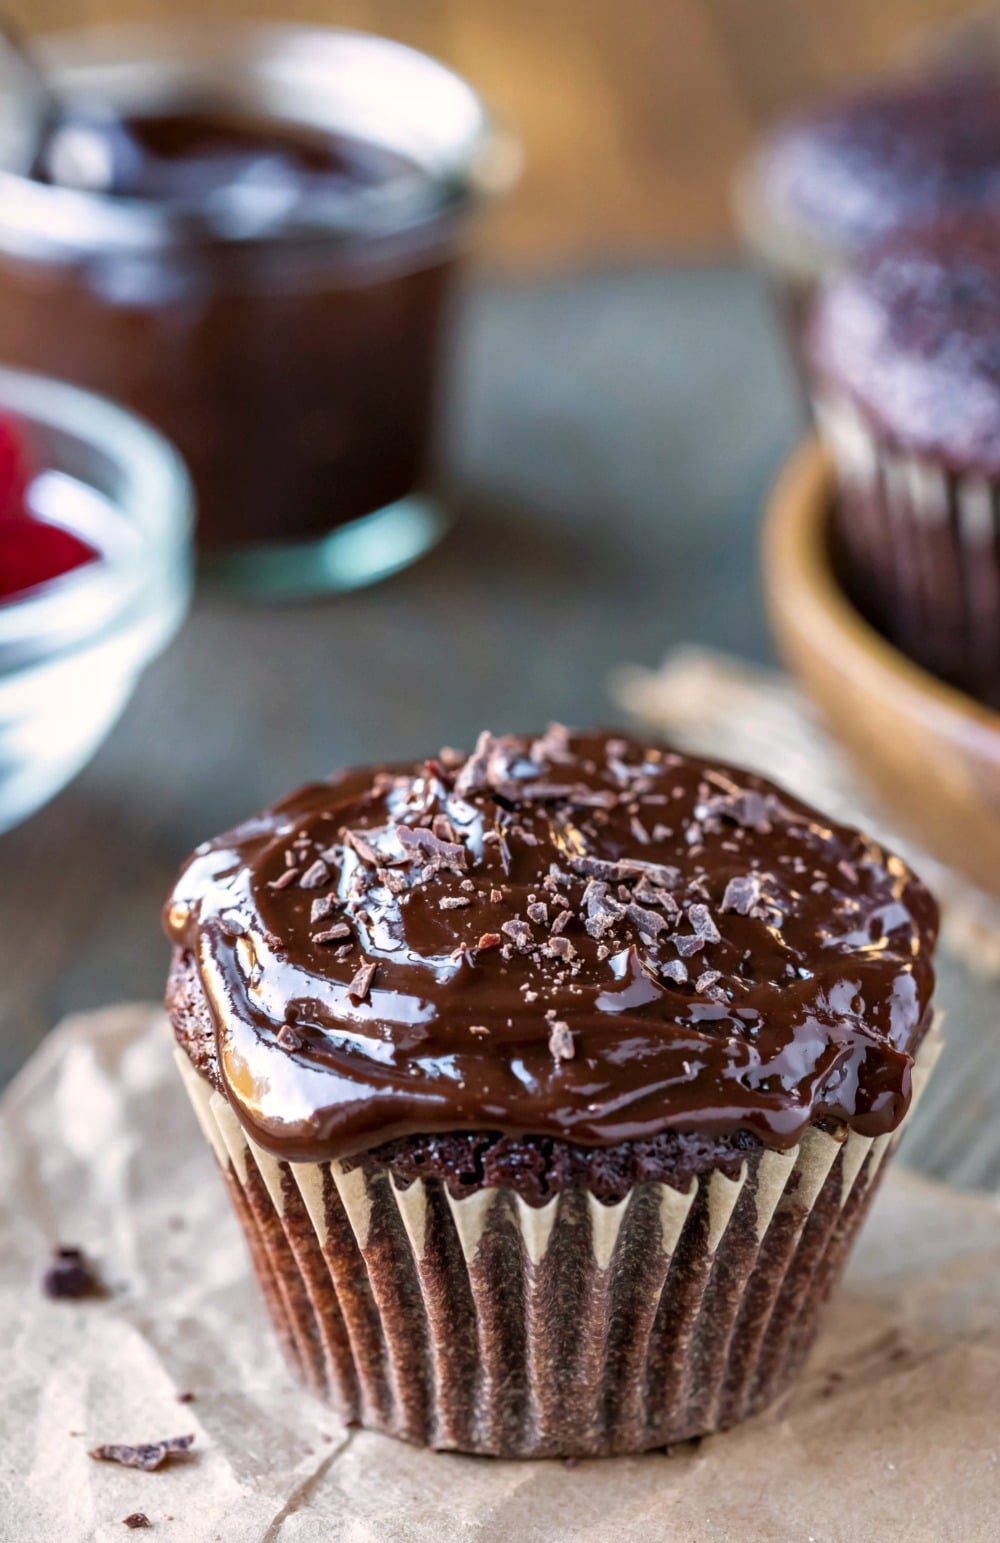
pixel 71 1276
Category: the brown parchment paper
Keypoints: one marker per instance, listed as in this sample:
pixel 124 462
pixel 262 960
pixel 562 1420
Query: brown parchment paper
pixel 892 1433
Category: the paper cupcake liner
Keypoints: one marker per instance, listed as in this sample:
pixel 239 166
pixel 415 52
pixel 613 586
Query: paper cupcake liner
pixel 922 549
pixel 487 1325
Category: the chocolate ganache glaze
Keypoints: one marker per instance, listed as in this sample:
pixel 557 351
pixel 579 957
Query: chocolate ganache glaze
pixel 576 936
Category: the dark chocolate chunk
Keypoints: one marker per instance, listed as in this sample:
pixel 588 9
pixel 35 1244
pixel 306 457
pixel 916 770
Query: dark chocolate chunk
pixel 361 983
pixel 331 934
pixel 421 842
pixel 742 894
pixel 148 1456
pixel 71 1276
pixel 316 875
pixel 361 847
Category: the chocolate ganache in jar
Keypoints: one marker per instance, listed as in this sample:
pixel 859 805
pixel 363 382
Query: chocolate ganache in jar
pixel 251 236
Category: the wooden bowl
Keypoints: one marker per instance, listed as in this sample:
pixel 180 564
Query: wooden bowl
pixel 930 753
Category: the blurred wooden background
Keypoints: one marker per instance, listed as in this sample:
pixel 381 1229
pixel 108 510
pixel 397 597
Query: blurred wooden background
pixel 632 112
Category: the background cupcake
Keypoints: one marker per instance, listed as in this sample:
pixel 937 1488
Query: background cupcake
pixel 550 1084
pixel 904 351
pixel 830 181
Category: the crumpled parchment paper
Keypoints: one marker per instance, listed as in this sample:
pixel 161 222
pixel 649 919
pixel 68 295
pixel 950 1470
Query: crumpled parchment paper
pixel 892 1433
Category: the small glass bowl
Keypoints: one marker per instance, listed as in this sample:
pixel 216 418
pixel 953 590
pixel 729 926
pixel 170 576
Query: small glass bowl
pixel 72 650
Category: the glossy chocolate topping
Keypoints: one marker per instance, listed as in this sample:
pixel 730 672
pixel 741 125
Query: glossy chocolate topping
pixel 576 936
pixel 887 156
pixel 912 335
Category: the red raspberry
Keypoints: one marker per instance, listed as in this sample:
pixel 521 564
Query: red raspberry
pixel 14 473
pixel 32 553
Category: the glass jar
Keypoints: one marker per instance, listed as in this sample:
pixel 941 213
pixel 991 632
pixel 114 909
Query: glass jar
pixel 295 356
pixel 73 649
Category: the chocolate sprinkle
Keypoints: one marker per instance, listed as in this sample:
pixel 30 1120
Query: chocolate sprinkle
pixel 136 1520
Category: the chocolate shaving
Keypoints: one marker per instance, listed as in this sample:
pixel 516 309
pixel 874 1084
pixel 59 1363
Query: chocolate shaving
pixel 561 1042
pixel 741 806
pixel 282 882
pixel 431 849
pixel 361 983
pixel 443 828
pixel 491 768
pixel 479 1029
pixel 321 907
pixel 394 882
pixel 675 970
pixel 150 1455
pixel 136 1519
pixel 627 868
pixel 474 774
pixel 331 934
pixel 453 902
pixel 488 940
pixel 343 952
pixel 649 922
pixel 602 910
pixel 742 894
pixel 315 875
pixel 289 1038
pixel 553 745
pixel 688 943
pixel 361 847
pixel 71 1276
pixel 700 918
pixel 519 932
pixel 706 979
pixel 538 912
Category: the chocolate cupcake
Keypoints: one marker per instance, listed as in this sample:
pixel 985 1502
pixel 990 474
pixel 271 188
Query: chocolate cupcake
pixel 550 1084
pixel 904 352
pixel 828 183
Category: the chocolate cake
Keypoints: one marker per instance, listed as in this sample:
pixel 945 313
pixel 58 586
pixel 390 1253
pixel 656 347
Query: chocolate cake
pixel 904 352
pixel 831 180
pixel 550 1082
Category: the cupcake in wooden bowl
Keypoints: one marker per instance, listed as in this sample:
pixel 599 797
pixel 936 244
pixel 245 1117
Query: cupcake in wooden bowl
pixel 904 356
pixel 929 751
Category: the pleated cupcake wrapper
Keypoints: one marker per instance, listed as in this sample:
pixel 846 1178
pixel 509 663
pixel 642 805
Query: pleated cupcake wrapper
pixel 573 1328
pixel 923 546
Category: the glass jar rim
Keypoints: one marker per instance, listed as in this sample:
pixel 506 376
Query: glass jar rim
pixel 388 93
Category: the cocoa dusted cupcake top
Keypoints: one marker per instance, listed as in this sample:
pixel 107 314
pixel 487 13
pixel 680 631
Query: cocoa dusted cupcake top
pixel 911 334
pixel 576 936
pixel 893 154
